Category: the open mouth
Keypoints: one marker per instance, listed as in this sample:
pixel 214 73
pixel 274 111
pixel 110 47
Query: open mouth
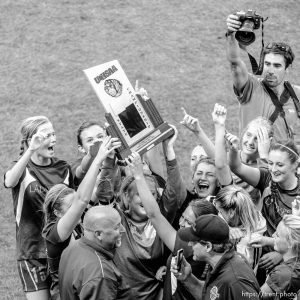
pixel 203 186
pixel 51 148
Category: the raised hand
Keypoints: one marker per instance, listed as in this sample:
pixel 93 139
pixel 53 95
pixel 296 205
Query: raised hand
pixel 36 141
pixel 190 122
pixel 219 114
pixel 135 164
pixel 108 145
pixel 169 142
pixel 93 150
pixel 232 141
pixel 141 91
pixel 263 142
pixel 233 23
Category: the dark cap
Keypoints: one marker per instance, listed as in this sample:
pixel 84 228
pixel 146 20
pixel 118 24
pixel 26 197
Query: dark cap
pixel 210 228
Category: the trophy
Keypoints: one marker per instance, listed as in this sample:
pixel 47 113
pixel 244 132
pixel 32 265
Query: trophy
pixel 134 120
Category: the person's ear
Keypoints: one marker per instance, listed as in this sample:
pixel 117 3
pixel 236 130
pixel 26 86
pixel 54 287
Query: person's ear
pixel 57 213
pixel 209 247
pixel 81 149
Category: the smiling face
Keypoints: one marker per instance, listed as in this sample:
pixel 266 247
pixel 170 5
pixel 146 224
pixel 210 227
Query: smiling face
pixel 274 71
pixel 91 135
pixel 111 234
pixel 205 180
pixel 249 141
pixel 281 168
pixel 135 206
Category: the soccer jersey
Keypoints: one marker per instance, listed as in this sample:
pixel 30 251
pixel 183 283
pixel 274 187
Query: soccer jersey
pixel 276 201
pixel 28 199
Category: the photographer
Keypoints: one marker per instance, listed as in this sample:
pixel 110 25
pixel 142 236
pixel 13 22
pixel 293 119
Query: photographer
pixel 268 96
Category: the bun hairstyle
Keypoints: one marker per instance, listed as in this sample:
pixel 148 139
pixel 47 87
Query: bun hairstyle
pixel 29 127
pixel 239 201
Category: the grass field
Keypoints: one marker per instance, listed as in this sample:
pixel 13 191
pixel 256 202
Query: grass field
pixel 175 48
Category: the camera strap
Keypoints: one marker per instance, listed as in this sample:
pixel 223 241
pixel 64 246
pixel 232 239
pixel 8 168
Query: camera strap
pixel 278 108
pixel 293 95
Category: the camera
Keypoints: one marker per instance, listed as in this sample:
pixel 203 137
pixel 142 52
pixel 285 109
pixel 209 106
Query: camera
pixel 250 22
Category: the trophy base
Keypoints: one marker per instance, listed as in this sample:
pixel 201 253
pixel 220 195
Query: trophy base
pixel 159 134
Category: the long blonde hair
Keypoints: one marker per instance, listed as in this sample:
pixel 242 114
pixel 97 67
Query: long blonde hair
pixel 239 201
pixel 28 128
pixel 292 225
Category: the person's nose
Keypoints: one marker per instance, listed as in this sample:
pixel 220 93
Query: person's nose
pixel 274 168
pixel 181 221
pixel 251 140
pixel 122 229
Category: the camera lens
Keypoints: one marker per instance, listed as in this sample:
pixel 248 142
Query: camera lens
pixel 245 34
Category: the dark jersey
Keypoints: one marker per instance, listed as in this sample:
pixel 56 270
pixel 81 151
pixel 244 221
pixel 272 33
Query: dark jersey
pixel 276 201
pixel 28 199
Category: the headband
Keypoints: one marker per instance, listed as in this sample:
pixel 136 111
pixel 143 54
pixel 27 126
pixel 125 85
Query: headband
pixel 291 150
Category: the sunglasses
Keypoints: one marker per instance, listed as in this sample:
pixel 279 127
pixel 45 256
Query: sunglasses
pixel 279 46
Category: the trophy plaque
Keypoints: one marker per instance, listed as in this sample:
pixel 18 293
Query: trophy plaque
pixel 131 118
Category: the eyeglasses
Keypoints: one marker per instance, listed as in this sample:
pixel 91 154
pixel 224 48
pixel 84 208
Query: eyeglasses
pixel 279 46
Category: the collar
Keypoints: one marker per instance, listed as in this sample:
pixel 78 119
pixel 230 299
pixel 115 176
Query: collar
pixel 98 248
pixel 226 256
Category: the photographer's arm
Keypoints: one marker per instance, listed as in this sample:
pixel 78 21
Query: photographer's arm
pixel 238 67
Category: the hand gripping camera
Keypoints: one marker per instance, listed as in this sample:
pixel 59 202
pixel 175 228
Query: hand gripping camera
pixel 250 22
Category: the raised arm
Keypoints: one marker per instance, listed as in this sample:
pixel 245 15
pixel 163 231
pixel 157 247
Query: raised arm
pixel 249 174
pixel 175 191
pixel 193 125
pixel 163 228
pixel 222 167
pixel 81 198
pixel 13 176
pixel 238 67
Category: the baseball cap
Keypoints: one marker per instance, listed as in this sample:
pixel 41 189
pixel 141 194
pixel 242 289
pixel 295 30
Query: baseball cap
pixel 210 228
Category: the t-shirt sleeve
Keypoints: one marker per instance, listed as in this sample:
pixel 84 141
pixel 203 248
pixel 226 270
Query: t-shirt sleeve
pixel 246 94
pixel 279 278
pixel 264 179
pixel 50 233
